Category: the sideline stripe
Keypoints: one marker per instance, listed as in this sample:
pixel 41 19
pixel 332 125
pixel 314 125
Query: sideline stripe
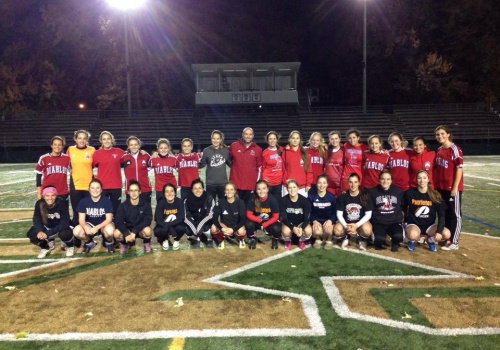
pixel 481 222
pixel 15 182
pixel 481 177
pixel 478 190
pixel 15 220
pixel 52 262
pixel 489 183
pixel 177 344
pixel 478 235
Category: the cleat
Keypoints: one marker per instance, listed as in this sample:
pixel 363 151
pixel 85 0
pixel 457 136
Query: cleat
pixel 165 245
pixel 242 244
pixel 176 245
pixel 432 247
pixel 43 253
pixel 52 245
pixel 450 247
pixel 222 245
pixel 411 246
pixel 345 244
pixel 123 248
pixel 395 247
pixel 70 251
pixel 328 245
pixel 88 246
pixel 209 243
pixel 317 244
pixel 302 245
pixel 253 243
pixel 274 243
pixel 147 247
pixel 362 246
pixel 288 245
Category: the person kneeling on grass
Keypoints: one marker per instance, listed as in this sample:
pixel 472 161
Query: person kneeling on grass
pixel 354 210
pixel 169 217
pixel 229 217
pixel 323 213
pixel 133 219
pixel 422 205
pixel 295 212
pixel 387 217
pixel 50 220
pixel 199 207
pixel 95 216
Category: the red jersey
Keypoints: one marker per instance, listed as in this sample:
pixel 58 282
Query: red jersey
pixel 108 163
pixel 54 172
pixel 334 167
pixel 445 165
pixel 271 169
pixel 246 164
pixel 294 168
pixel 187 167
pixel 353 162
pixel 373 164
pixel 316 162
pixel 421 161
pixel 164 170
pixel 136 168
pixel 399 164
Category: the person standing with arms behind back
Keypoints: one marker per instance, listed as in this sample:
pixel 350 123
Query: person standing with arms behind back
pixel 449 182
pixel 246 162
pixel 215 158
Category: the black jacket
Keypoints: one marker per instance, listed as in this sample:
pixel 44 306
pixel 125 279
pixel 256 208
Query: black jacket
pixel 133 218
pixel 57 217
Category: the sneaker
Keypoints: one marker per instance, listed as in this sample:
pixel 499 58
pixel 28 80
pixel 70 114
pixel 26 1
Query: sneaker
pixel 196 244
pixel 63 245
pixel 70 251
pixel 111 247
pixel 274 243
pixel 450 247
pixel 52 245
pixel 43 253
pixel 253 243
pixel 221 245
pixel 328 245
pixel 362 246
pixel 209 243
pixel 394 247
pixel 345 244
pixel 288 245
pixel 302 245
pixel 242 244
pixel 317 244
pixel 176 245
pixel 88 246
pixel 147 247
pixel 411 246
pixel 432 247
pixel 165 245
pixel 123 248
pixel 421 240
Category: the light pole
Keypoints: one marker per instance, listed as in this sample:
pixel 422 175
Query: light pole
pixel 126 6
pixel 364 56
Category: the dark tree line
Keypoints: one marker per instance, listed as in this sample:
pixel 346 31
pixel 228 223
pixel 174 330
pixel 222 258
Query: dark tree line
pixel 56 54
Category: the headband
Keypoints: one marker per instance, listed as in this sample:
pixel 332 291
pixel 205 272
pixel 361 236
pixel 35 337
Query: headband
pixel 49 189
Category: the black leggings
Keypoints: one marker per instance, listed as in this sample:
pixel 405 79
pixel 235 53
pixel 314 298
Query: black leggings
pixel 115 195
pixel 163 233
pixel 216 191
pixel 273 229
pixel 66 235
pixel 276 191
pixel 185 191
pixel 394 230
pixel 75 196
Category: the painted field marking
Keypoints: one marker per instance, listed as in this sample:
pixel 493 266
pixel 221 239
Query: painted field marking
pixel 481 222
pixel 489 183
pixel 468 185
pixel 476 235
pixel 177 344
pixel 15 220
pixel 481 177
pixel 15 182
pixel 52 262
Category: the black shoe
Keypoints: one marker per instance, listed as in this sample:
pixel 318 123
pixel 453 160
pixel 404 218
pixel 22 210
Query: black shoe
pixel 111 248
pixel 395 247
pixel 88 247
pixel 209 243
pixel 274 243
pixel 196 244
pixel 253 243
pixel 379 247
pixel 77 242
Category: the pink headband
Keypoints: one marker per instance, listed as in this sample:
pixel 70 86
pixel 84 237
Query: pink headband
pixel 49 190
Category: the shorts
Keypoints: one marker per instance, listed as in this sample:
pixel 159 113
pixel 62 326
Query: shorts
pixel 423 229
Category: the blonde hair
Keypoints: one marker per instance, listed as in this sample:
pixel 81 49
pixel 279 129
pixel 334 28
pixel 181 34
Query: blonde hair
pixel 303 152
pixel 113 142
pixel 321 148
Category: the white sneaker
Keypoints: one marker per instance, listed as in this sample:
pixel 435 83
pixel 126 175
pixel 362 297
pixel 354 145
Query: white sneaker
pixel 176 245
pixel 52 245
pixel 450 247
pixel 362 246
pixel 70 251
pixel 43 253
pixel 165 244
pixel 345 244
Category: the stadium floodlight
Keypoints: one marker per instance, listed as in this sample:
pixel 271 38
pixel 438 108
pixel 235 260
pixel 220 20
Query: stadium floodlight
pixel 126 4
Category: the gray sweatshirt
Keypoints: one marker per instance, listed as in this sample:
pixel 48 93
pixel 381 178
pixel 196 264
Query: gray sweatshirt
pixel 215 160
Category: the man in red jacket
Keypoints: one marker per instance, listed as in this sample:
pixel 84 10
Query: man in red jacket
pixel 246 162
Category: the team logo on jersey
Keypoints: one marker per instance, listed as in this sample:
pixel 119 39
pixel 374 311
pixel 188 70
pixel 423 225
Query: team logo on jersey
pixel 225 212
pixel 264 216
pixel 217 160
pixel 252 153
pixel 87 156
pixel 53 216
pixel 387 202
pixel 49 164
pixel 427 165
pixel 114 155
pixel 170 218
pixel 143 162
pixel 353 212
pixel 422 212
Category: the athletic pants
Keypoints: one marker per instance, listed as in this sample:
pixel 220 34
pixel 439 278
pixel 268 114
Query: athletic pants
pixel 276 191
pixel 216 190
pixel 453 214
pixel 245 195
pixel 394 230
pixel 163 233
pixel 273 229
pixel 66 235
pixel 115 195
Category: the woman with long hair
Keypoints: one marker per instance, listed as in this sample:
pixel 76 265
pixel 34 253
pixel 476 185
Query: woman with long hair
pixel 52 169
pixel 334 164
pixel 107 160
pixel 374 161
pixel 163 164
pixel 420 159
pixel 295 213
pixel 229 218
pixel 135 167
pixel 51 220
pixel 449 182
pixel 423 204
pixel 316 152
pixel 297 164
pixel 216 157
pixel 263 213
pixel 199 207
pixel 170 215
pixel 272 164
pixel 323 213
pixel 387 215
pixel 187 166
pixel 399 161
pixel 354 210
pixel 354 150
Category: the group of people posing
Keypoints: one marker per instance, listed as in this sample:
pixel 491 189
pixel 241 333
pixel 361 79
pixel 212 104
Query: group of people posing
pixel 293 193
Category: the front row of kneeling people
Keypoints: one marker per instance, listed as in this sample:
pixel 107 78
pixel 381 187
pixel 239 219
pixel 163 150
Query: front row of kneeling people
pixel 358 214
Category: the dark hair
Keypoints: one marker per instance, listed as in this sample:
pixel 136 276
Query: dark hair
pixel 363 195
pixel 57 137
pixel 43 208
pixel 95 180
pixel 256 198
pixel 322 176
pixel 197 181
pixel 133 182
pixel 446 129
pixel 303 151
pixel 221 134
pixel 330 147
pixel 353 131
pixel 385 171
pixel 168 185
pixel 434 195
pixel 421 138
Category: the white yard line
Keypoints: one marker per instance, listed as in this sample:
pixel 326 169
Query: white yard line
pixel 468 185
pixel 481 177
pixel 15 182
pixel 52 262
pixel 489 183
pixel 16 220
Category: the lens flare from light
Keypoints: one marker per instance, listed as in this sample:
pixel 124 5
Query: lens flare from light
pixel 126 4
